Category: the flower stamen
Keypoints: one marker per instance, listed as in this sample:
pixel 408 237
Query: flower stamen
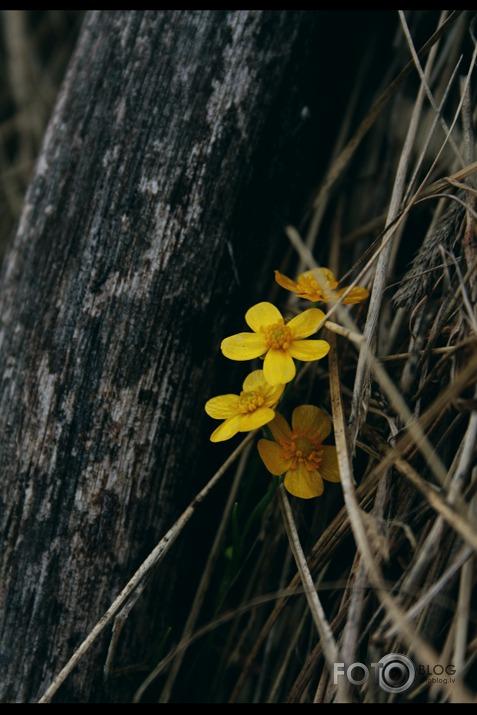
pixel 278 336
pixel 250 401
pixel 301 450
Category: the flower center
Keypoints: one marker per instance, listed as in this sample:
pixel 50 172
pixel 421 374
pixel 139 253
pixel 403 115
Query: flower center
pixel 317 289
pixel 278 336
pixel 303 451
pixel 250 401
pixel 309 284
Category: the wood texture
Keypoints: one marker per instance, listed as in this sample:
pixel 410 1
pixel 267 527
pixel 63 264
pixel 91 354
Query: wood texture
pixel 172 159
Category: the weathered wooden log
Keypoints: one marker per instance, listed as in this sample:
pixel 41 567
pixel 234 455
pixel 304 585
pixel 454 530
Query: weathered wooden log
pixel 173 156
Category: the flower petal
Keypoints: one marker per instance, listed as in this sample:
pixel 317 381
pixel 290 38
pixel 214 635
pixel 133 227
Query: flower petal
pixel 310 420
pixel 356 295
pixel 222 407
pixel 226 430
pixel 254 420
pixel 254 381
pixel 329 465
pixel 285 282
pixel 308 350
pixel 243 346
pixel 261 315
pixel 272 457
pixel 272 394
pixel 280 429
pixel 304 484
pixel 306 323
pixel 278 367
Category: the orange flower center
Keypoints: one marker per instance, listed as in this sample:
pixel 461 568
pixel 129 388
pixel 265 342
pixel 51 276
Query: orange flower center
pixel 278 336
pixel 309 284
pixel 303 450
pixel 250 401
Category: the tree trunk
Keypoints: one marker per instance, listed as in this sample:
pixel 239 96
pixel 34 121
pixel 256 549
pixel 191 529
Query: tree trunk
pixel 174 155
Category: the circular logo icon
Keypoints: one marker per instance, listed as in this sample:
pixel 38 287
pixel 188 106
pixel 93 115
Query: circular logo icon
pixel 396 673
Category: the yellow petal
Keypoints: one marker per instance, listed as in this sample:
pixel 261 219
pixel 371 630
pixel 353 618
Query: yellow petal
pixel 310 420
pixel 278 367
pixel 304 484
pixel 324 277
pixel 272 394
pixel 280 429
pixel 272 457
pixel 306 323
pixel 226 430
pixel 254 420
pixel 356 295
pixel 329 465
pixel 308 350
pixel 254 381
pixel 222 406
pixel 243 346
pixel 285 282
pixel 261 315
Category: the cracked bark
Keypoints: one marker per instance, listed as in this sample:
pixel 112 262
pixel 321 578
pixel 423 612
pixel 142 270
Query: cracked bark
pixel 172 156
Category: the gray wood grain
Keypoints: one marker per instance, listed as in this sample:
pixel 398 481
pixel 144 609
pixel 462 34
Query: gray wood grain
pixel 169 164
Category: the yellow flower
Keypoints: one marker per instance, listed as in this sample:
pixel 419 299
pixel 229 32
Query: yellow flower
pixel 299 452
pixel 251 409
pixel 279 342
pixel 317 285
